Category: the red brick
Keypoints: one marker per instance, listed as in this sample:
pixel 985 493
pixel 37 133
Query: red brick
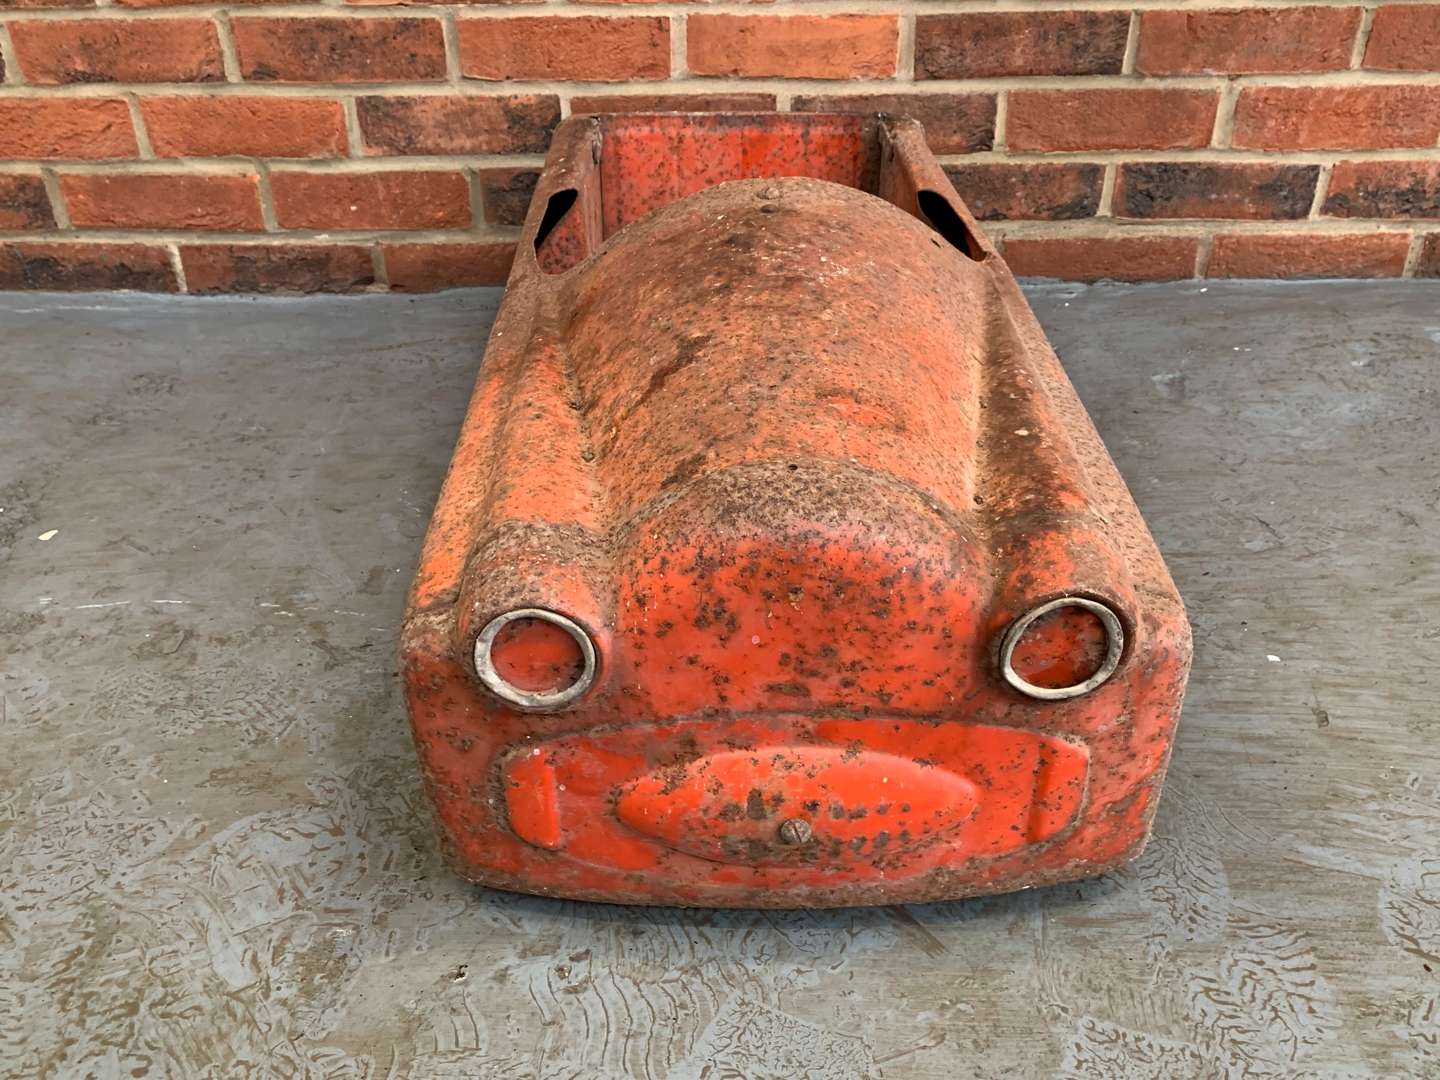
pixel 794 46
pixel 981 45
pixel 506 194
pixel 1119 119
pixel 186 3
pixel 427 267
pixel 264 268
pixel 1429 264
pixel 1337 117
pixel 1103 258
pixel 77 267
pixel 1404 38
pixel 37 5
pixel 24 203
pixel 118 50
pixel 339 50
pixel 1186 189
pixel 468 3
pixel 1324 255
pixel 519 124
pixel 1246 40
pixel 382 200
pixel 270 127
pixel 582 105
pixel 1036 191
pixel 152 201
pixel 1384 189
pixel 954 123
pixel 65 129
pixel 588 48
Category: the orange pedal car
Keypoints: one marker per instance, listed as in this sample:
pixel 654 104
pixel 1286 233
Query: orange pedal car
pixel 778 564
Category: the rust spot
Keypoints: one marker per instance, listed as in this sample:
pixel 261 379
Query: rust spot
pixel 755 805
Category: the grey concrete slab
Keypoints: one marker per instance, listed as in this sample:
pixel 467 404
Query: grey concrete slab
pixel 215 860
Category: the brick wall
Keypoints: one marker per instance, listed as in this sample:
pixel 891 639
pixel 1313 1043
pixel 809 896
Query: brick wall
pixel 334 145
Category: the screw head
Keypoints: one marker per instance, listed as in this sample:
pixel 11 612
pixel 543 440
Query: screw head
pixel 795 831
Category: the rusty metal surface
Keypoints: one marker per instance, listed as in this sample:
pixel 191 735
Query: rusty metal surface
pixel 216 858
pixel 795 457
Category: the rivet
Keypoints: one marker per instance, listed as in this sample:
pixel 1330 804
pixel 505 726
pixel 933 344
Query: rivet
pixel 795 831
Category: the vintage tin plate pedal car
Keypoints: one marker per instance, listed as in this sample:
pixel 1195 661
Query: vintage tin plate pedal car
pixel 778 563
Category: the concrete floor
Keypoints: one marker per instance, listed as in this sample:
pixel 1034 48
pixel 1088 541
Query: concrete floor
pixel 214 856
